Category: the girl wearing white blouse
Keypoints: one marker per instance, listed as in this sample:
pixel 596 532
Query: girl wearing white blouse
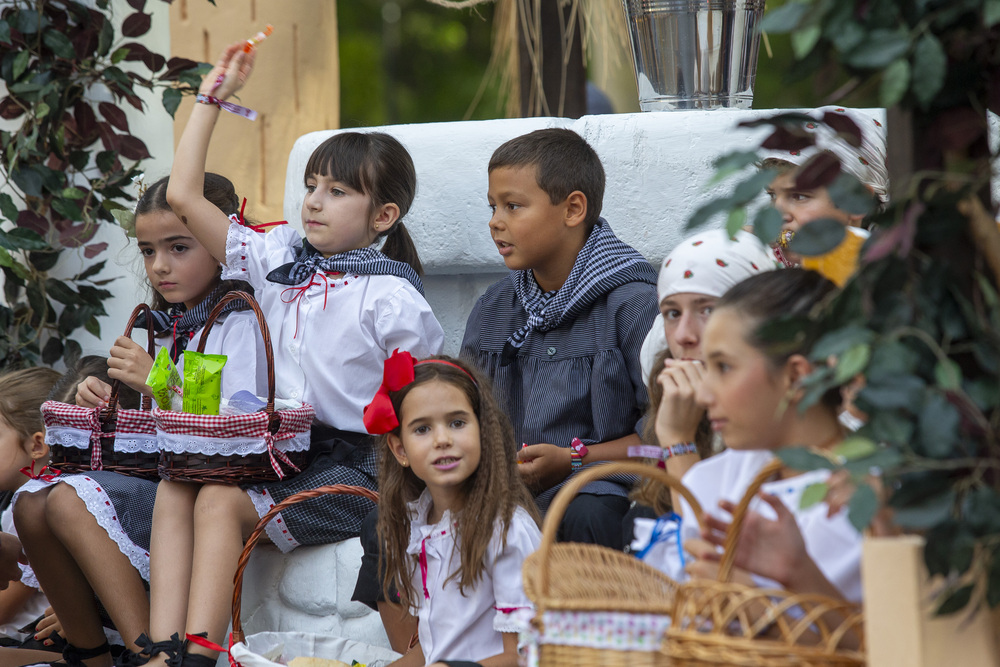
pixel 455 520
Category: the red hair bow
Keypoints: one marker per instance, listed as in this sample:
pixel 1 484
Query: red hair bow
pixel 379 415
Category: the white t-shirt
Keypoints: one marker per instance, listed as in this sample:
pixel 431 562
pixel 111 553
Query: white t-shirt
pixel 331 338
pixel 454 626
pixel 833 543
pixel 35 605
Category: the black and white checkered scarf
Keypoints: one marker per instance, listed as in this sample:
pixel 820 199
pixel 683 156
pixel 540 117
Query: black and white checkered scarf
pixel 604 263
pixel 183 323
pixel 362 261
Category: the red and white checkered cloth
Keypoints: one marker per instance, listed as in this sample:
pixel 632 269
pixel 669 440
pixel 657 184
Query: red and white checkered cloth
pixel 69 425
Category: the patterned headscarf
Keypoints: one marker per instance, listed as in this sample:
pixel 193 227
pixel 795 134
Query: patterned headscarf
pixel 710 263
pixel 867 162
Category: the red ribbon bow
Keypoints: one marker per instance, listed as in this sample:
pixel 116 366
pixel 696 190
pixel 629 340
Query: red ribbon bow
pixel 96 435
pixel 212 646
pixel 30 472
pixel 379 416
pixel 275 454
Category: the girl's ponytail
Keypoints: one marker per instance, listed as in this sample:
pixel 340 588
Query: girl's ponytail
pixel 399 246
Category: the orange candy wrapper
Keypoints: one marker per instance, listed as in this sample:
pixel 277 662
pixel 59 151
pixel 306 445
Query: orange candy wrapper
pixel 840 263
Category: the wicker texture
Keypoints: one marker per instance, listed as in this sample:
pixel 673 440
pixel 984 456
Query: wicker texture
pixel 595 579
pixel 236 469
pixel 136 464
pixel 333 489
pixel 724 623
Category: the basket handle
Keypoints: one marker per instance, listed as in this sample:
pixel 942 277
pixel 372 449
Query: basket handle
pixel 566 494
pixel 295 498
pixel 739 514
pixel 147 401
pixel 264 332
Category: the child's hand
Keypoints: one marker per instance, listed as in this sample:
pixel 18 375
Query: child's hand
pixel 704 563
pixel 543 466
pixel 10 556
pixel 130 363
pixel 48 626
pixel 93 393
pixel 234 66
pixel 679 414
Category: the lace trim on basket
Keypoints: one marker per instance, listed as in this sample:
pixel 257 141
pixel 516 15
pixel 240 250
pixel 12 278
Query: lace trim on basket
pixel 100 506
pixel 601 630
pixel 130 443
pixel 236 256
pixel 67 437
pixel 276 529
pixel 195 444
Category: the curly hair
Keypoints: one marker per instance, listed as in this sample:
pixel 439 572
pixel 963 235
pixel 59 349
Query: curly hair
pixel 492 492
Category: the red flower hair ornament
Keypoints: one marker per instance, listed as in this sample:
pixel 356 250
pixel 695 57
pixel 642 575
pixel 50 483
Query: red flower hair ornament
pixel 379 415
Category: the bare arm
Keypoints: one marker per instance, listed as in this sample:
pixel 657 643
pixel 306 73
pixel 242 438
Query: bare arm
pixel 13 599
pixel 509 656
pixel 544 465
pixel 185 192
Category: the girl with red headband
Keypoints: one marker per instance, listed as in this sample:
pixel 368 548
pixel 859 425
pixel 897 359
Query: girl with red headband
pixel 455 520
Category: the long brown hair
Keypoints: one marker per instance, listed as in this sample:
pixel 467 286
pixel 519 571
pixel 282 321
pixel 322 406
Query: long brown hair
pixel 21 396
pixel 492 492
pixel 647 491
pixel 375 164
pixel 220 191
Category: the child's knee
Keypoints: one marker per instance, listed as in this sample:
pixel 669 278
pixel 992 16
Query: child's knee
pixel 219 502
pixel 63 502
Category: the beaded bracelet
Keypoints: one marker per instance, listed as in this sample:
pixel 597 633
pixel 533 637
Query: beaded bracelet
pixel 661 454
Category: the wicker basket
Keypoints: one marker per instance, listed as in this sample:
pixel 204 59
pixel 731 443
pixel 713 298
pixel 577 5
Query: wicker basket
pixel 598 587
pixel 333 489
pixel 110 438
pixel 279 438
pixel 724 623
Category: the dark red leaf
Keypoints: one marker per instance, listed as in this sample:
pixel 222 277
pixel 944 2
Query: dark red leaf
pixel 137 5
pixel 30 220
pixel 132 148
pixel 74 234
pixel 819 171
pixel 843 126
pixel 113 115
pixel 899 237
pixel 86 122
pixel 94 249
pixel 135 101
pixel 110 140
pixel 136 51
pixel 9 109
pixel 175 66
pixel 136 25
pixel 789 139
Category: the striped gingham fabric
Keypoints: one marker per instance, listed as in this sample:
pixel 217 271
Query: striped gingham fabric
pixel 69 425
pixel 213 430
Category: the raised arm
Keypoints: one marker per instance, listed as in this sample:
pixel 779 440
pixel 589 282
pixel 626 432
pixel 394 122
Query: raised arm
pixel 185 192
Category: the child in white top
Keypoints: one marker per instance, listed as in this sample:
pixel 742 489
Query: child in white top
pixel 337 307
pixel 752 393
pixel 455 519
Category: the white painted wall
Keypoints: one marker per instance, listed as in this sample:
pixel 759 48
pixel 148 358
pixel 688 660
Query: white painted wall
pixel 657 167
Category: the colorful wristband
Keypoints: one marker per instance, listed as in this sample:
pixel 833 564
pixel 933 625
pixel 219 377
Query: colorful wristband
pixel 661 454
pixel 249 114
pixel 575 460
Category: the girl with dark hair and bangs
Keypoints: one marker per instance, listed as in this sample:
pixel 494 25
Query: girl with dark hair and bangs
pixel 455 518
pixel 337 307
pixel 55 514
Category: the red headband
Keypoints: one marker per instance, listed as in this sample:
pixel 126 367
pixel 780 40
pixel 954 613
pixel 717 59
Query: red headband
pixel 379 415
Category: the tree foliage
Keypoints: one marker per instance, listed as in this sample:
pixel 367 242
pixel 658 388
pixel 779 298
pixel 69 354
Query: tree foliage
pixel 69 164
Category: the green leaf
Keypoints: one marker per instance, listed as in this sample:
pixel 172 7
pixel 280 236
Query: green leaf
pixel 67 209
pixel 930 61
pixel 804 460
pixel 105 38
pixel 895 81
pixel 812 494
pixel 737 218
pixel 938 426
pixel 890 427
pixel 41 110
pixel 852 362
pixel 52 351
pixel 818 237
pixel 60 291
pixel 948 375
pixel 13 265
pixel 956 601
pixel 171 100
pixel 899 392
pixel 854 448
pixel 785 18
pixel 28 21
pixel 804 40
pixel 42 260
pixel 850 195
pixel 60 44
pixel 862 507
pixel 835 343
pixel 119 55
pixel 7 207
pixel 937 509
pixel 731 163
pixel 4 32
pixel 751 188
pixel 73 193
pixel 22 239
pixel 708 211
pixel 20 64
pixel 879 49
pixel 91 271
pixel 28 181
pixel 767 224
pixel 991 13
pixel 93 327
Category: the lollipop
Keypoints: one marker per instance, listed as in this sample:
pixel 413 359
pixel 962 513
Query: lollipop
pixel 254 41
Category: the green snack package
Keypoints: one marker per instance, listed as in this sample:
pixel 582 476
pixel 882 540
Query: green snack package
pixel 202 382
pixel 164 380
